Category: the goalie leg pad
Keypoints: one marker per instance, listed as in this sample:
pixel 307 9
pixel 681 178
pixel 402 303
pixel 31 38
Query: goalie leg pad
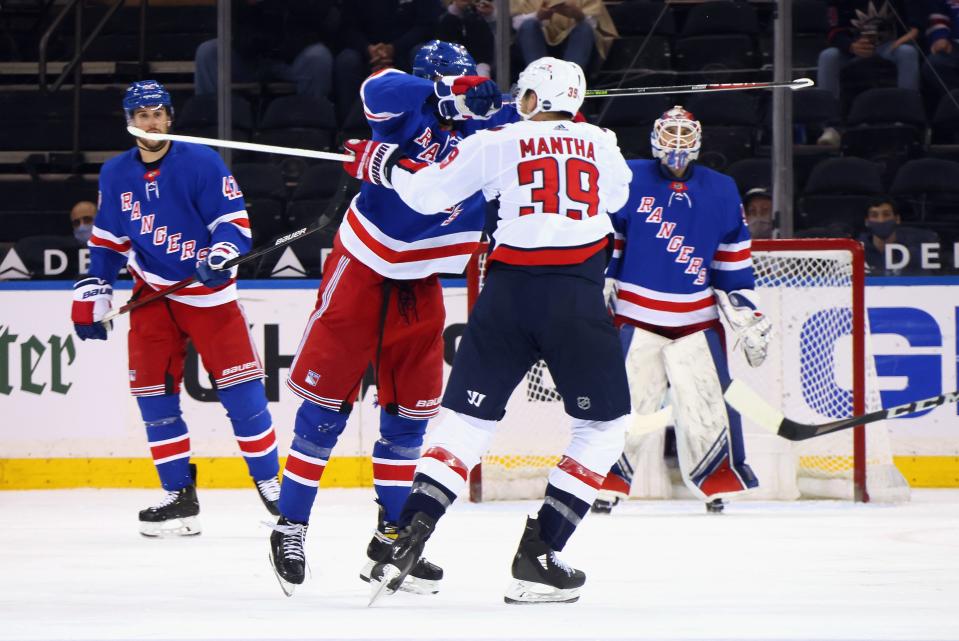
pixel 246 406
pixel 696 367
pixel 394 461
pixel 574 482
pixel 169 439
pixel 454 448
pixel 314 435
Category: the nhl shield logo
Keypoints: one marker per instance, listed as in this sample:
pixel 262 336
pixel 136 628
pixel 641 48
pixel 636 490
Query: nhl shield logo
pixel 312 378
pixel 583 402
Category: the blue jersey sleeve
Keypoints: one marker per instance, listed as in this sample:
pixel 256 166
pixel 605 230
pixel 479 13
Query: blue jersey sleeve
pixel 109 244
pixel 220 202
pixel 389 95
pixel 732 264
pixel 620 234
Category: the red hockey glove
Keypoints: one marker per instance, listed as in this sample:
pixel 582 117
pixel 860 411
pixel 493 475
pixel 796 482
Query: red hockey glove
pixel 91 300
pixel 372 161
pixel 467 97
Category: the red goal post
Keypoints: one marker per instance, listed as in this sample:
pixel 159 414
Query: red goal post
pixel 819 368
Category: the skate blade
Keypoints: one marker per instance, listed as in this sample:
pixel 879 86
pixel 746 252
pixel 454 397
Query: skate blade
pixel 390 574
pixel 528 593
pixel 285 585
pixel 412 584
pixel 186 526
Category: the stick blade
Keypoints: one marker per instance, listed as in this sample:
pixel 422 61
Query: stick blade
pixel 801 83
pixel 750 404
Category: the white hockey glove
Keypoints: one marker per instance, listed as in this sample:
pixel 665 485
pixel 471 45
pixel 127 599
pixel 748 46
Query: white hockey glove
pixel 610 291
pixel 91 300
pixel 752 328
pixel 212 272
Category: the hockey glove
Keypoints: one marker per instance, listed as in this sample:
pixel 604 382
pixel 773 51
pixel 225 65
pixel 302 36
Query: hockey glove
pixel 372 161
pixel 212 272
pixel 467 97
pixel 91 300
pixel 751 326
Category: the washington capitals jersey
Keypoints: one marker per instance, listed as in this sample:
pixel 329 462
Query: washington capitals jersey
pixel 161 222
pixel 379 228
pixel 555 180
pixel 675 241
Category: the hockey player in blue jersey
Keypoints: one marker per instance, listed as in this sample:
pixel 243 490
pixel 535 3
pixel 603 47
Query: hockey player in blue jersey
pixel 682 246
pixel 168 211
pixel 381 303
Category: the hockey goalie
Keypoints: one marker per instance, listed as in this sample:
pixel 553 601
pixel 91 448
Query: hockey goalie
pixel 682 257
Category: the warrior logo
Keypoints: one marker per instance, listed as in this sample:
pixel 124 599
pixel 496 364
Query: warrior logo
pixel 474 398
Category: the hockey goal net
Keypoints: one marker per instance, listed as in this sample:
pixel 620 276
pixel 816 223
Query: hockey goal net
pixel 819 368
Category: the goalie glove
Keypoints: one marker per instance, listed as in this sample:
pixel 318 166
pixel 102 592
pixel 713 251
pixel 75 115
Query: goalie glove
pixel 212 271
pixel 91 300
pixel 467 97
pixel 372 161
pixel 751 326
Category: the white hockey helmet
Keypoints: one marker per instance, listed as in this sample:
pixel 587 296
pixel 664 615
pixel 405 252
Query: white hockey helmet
pixel 676 138
pixel 559 86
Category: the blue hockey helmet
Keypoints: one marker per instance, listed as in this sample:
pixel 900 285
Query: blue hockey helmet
pixel 439 58
pixel 146 94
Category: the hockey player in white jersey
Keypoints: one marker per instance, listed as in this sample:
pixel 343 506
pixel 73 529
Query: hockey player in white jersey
pixel 555 180
pixel 682 246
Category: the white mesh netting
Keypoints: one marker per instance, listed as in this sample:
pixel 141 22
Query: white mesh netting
pixel 808 294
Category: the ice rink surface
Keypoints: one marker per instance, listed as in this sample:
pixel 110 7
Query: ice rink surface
pixel 74 567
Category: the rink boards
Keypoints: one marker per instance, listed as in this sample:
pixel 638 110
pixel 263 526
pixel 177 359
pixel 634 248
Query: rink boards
pixel 67 420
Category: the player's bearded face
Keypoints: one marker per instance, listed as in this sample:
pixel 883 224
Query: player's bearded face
pixel 152 120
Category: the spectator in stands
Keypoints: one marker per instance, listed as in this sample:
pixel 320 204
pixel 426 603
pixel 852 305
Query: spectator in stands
pixel 567 29
pixel 287 40
pixel 81 218
pixel 862 29
pixel 942 36
pixel 388 32
pixel 758 206
pixel 882 230
pixel 470 23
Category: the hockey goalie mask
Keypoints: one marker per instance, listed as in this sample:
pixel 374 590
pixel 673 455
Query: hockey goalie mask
pixel 676 138
pixel 559 85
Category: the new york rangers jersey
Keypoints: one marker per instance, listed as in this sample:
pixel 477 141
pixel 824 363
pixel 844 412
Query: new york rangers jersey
pixel 379 228
pixel 555 181
pixel 675 241
pixel 160 222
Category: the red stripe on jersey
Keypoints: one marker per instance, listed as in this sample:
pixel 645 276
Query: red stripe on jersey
pixel 259 445
pixel 574 469
pixel 304 469
pixel 411 165
pixel 409 255
pixel 109 244
pixel 550 256
pixel 616 483
pixel 447 458
pixel 170 449
pixel 385 472
pixel 666 305
pixel 732 257
pixel 241 222
pixel 619 243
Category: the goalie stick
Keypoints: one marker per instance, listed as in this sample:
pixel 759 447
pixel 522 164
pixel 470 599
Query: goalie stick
pixel 799 83
pixel 245 146
pixel 750 404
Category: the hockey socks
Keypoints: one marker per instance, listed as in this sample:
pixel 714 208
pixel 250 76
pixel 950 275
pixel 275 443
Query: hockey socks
pixel 394 461
pixel 246 406
pixel 314 435
pixel 168 438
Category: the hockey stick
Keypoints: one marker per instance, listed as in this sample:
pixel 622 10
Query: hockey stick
pixel 282 241
pixel 799 83
pixel 751 405
pixel 245 146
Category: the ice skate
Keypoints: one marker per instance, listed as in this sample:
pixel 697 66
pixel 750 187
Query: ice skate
pixel 604 506
pixel 287 554
pixel 175 515
pixel 424 578
pixel 269 491
pixel 404 554
pixel 715 506
pixel 539 576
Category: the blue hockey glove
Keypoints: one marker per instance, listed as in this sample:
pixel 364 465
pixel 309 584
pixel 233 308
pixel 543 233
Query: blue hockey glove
pixel 211 272
pixel 91 300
